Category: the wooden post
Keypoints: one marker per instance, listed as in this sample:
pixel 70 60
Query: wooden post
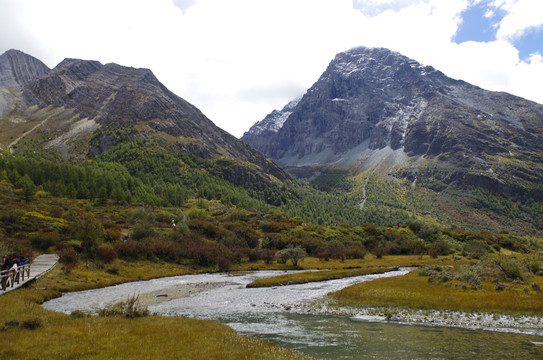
pixel 4 279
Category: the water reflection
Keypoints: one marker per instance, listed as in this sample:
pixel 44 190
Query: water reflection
pixel 330 337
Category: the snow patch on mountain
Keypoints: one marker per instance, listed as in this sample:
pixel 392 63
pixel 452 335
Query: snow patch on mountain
pixel 275 120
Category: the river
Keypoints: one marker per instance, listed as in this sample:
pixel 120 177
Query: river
pixel 280 315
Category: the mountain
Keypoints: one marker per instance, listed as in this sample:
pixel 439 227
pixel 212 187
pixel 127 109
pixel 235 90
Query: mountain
pixel 261 132
pixel 19 69
pixel 374 111
pixel 85 110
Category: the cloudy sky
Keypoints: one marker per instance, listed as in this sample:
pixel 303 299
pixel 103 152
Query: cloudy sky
pixel 237 60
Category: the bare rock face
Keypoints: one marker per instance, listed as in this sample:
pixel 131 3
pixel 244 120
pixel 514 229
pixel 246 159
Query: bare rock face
pixel 19 69
pixel 260 133
pixel 374 107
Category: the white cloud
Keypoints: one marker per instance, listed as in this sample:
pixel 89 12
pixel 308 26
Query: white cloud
pixel 238 60
pixel 521 16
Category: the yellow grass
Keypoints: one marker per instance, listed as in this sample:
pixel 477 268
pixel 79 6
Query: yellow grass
pixel 90 275
pixel 313 263
pixel 67 337
pixel 313 276
pixel 413 290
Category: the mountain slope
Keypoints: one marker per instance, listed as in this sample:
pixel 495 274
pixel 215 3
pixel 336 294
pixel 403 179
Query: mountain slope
pixel 116 132
pixel 375 112
pixel 83 108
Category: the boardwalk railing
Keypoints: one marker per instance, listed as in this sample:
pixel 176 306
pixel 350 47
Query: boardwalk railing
pixel 13 276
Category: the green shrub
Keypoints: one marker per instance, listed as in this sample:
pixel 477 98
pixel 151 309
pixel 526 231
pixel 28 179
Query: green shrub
pixel 510 267
pixel 294 254
pixel 43 240
pixel 428 270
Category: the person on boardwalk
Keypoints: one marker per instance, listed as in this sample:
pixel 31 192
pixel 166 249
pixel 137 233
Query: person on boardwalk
pixel 6 262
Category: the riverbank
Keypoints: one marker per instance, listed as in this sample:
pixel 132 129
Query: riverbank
pixel 382 310
pixel 523 324
pixel 417 299
pixel 474 320
pixel 30 331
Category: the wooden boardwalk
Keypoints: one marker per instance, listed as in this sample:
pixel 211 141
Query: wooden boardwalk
pixel 38 268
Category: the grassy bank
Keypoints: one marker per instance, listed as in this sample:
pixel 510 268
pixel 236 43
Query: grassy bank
pixel 415 291
pixel 313 276
pixel 92 275
pixel 31 332
pixel 370 261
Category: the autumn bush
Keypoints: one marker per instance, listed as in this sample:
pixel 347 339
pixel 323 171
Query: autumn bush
pixel 379 252
pixel 254 254
pixel 276 226
pixel 268 255
pixel 106 254
pixel 113 234
pixel 356 252
pixel 223 264
pixel 68 255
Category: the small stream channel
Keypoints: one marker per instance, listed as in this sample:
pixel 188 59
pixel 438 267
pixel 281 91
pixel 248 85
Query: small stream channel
pixel 278 314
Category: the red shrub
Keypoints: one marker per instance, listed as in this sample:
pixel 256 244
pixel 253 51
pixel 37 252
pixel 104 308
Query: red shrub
pixel 68 255
pixel 105 254
pixel 267 255
pixel 276 226
pixel 224 264
pixel 324 255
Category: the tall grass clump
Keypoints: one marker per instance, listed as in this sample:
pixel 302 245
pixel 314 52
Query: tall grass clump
pixel 131 308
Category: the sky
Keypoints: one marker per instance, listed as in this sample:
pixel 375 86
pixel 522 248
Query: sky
pixel 237 60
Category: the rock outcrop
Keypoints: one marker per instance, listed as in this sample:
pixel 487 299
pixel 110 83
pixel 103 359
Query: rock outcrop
pixel 19 69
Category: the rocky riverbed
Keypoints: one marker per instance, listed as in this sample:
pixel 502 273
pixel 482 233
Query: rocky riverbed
pixel 468 320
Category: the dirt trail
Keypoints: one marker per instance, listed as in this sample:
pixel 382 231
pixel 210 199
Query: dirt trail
pixel 10 147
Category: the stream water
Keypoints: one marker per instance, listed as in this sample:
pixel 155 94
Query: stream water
pixel 277 314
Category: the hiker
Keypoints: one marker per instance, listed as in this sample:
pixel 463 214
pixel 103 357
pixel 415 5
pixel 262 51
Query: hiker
pixel 15 263
pixel 6 262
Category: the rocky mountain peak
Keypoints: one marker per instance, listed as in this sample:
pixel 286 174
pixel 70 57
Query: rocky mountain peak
pixel 375 108
pixel 19 69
